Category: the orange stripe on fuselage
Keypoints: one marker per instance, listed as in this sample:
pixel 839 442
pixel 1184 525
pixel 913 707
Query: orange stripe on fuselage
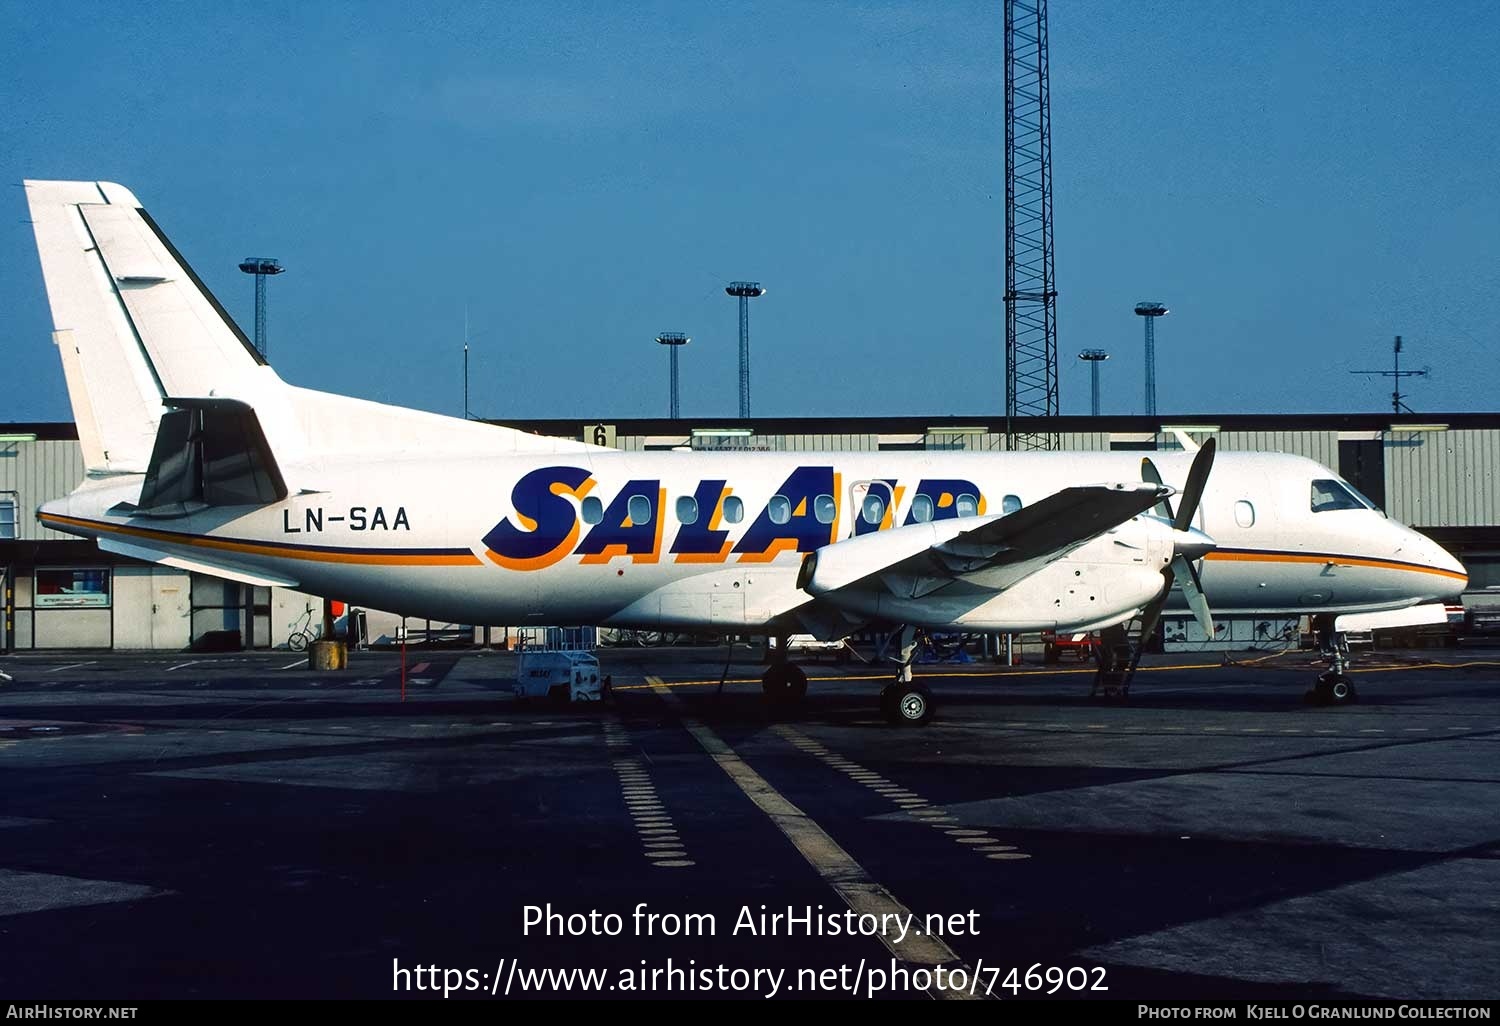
pixel 1289 557
pixel 393 558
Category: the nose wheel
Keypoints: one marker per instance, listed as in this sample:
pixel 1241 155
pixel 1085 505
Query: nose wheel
pixel 1333 687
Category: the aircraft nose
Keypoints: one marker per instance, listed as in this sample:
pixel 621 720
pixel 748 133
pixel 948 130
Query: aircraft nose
pixel 1445 560
pixel 1455 576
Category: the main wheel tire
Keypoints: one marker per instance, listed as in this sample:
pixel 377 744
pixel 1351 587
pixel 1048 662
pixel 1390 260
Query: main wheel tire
pixel 784 682
pixel 1341 689
pixel 796 683
pixel 910 705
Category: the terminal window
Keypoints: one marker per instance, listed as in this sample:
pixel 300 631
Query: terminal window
pixel 75 588
pixel 7 519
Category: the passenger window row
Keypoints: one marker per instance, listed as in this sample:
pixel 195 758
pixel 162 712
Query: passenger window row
pixel 825 509
pixel 639 508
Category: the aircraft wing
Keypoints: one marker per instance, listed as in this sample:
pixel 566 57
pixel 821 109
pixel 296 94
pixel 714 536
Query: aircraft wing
pixel 991 552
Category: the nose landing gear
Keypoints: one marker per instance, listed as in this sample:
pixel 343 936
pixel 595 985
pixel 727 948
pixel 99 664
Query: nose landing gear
pixel 1332 687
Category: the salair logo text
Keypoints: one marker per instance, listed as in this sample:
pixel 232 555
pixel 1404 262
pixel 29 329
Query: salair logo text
pixel 558 513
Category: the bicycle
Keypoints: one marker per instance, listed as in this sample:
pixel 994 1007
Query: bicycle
pixel 303 634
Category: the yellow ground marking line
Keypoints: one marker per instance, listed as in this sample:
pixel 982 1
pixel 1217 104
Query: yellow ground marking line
pixel 1418 666
pixel 849 880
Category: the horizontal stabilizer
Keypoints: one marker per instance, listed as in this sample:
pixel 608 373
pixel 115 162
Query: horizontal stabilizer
pixel 213 567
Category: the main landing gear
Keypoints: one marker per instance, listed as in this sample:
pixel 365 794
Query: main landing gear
pixel 1116 658
pixel 1333 687
pixel 904 702
pixel 783 682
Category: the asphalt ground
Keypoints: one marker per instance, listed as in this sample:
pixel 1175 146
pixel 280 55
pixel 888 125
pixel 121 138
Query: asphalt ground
pixel 239 826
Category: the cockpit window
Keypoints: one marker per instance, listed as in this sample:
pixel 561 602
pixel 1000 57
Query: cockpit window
pixel 1328 494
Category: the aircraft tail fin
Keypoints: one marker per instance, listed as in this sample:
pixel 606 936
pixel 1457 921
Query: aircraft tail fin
pixel 132 322
pixel 136 327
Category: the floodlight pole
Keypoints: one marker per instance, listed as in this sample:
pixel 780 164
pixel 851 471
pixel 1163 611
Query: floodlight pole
pixel 673 340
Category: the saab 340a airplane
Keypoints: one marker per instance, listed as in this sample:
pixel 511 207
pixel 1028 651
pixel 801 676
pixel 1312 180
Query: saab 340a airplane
pixel 200 457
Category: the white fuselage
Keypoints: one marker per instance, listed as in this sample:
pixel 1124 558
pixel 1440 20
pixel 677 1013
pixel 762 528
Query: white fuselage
pixel 553 538
pixel 454 520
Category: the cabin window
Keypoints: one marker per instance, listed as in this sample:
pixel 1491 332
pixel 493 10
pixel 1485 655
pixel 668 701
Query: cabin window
pixel 921 508
pixel 1010 504
pixel 874 510
pixel 734 509
pixel 687 510
pixel 825 509
pixel 593 510
pixel 639 508
pixel 1244 513
pixel 1328 495
pixel 967 505
pixel 779 509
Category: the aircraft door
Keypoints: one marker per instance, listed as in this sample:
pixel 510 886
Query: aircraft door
pixel 726 604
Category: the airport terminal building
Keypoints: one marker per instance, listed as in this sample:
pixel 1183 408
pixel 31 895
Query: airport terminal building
pixel 1439 473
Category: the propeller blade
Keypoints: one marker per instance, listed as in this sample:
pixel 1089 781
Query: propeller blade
pixel 1192 492
pixel 1192 590
pixel 1151 475
pixel 1181 567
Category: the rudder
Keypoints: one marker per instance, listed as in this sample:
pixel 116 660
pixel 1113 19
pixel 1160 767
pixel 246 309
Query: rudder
pixel 132 322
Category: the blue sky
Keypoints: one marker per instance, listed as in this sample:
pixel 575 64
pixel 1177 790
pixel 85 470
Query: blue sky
pixel 1298 182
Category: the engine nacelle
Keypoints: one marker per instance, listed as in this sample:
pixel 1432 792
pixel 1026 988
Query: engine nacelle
pixel 1102 582
pixel 839 565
